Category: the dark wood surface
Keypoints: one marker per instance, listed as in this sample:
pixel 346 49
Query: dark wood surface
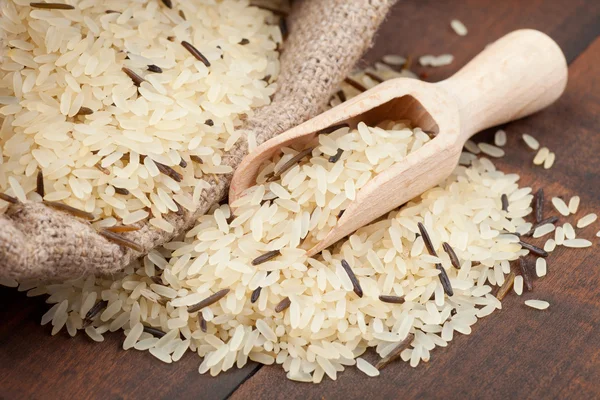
pixel 515 353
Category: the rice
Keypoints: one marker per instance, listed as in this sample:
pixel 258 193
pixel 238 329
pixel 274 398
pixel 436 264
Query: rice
pixel 518 285
pixel 531 141
pixel 366 367
pixel 577 243
pixel 500 138
pixel 89 112
pixel 543 230
pixel 560 206
pixel 549 161
pixel 393 59
pixel 587 220
pixel 436 61
pixel 541 156
pixel 537 304
pixel 491 150
pixel 574 204
pixel 458 27
pixel 325 324
pixel 540 267
pixel 318 319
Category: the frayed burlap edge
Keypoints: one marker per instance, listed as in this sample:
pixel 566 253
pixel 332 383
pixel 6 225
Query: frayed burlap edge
pixel 326 39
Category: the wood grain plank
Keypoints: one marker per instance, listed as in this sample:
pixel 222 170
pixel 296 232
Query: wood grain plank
pixel 35 365
pixel 517 352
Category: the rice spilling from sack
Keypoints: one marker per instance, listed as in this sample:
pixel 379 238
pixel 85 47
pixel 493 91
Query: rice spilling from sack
pixel 239 287
pixel 306 313
pixel 126 107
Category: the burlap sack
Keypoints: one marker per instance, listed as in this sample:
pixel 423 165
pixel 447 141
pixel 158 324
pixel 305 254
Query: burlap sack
pixel 326 39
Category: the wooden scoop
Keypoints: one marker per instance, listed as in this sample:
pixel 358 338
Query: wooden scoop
pixel 517 75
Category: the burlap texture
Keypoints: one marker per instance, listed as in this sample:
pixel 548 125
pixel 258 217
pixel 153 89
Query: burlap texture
pixel 326 39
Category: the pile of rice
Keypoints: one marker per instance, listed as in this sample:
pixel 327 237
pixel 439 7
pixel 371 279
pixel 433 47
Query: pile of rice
pixel 239 287
pixel 69 109
pixel 214 293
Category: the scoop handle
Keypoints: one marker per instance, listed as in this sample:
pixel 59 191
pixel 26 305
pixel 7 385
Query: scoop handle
pixel 515 76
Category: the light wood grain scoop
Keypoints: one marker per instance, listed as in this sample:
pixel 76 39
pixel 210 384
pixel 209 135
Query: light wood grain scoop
pixel 517 75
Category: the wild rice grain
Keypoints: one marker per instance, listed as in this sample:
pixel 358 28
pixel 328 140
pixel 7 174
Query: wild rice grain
pixel 122 228
pixel 195 52
pixel 170 172
pixel 120 240
pixel 71 210
pixel 391 299
pixel 290 163
pixel 356 85
pixel 52 6
pixel 40 184
pixel 94 311
pixel 376 78
pixel 396 352
pixel 266 257
pixel 355 283
pixel 539 205
pixel 8 199
pixel 202 323
pixel 534 249
pixel 122 191
pixel 523 266
pixel 154 331
pixel 504 200
pixel 335 158
pixel 283 305
pixel 155 68
pixel 208 301
pixel 453 258
pixel 255 294
pixel 137 80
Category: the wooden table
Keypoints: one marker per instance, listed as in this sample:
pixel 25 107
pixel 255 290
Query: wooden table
pixel 515 353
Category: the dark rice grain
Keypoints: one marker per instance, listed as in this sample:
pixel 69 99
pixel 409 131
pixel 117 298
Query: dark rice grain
pixel 391 299
pixel 208 301
pixel 355 283
pixel 195 52
pixel 283 305
pixel 71 210
pixel 539 205
pixel 453 258
pixel 40 184
pixel 335 158
pixel 266 257
pixel 396 352
pixel 120 240
pixel 52 6
pixel 155 68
